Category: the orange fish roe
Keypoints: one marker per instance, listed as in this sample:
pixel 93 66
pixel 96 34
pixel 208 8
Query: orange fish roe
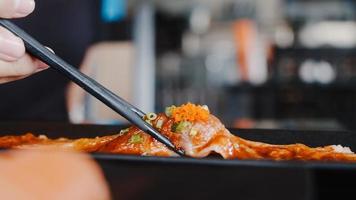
pixel 190 112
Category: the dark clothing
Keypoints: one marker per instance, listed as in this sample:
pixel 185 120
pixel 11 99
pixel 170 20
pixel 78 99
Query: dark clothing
pixel 68 27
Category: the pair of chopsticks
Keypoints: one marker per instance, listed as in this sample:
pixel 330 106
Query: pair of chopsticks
pixel 116 103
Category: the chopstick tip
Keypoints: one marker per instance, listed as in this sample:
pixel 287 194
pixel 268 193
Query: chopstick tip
pixel 180 152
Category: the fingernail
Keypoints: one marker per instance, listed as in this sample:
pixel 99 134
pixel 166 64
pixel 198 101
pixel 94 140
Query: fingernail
pixel 24 7
pixel 11 49
pixel 41 65
pixel 41 69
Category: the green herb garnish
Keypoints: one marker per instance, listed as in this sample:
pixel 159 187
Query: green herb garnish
pixel 151 116
pixel 169 110
pixel 178 127
pixel 136 139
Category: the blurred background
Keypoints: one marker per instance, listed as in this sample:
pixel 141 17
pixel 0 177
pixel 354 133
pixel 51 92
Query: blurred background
pixel 255 63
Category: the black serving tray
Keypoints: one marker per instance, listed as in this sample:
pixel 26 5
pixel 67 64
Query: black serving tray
pixel 138 177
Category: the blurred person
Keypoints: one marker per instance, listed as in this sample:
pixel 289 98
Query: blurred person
pixel 33 174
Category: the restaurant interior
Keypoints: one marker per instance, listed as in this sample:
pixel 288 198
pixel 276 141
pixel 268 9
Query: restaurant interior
pixel 283 64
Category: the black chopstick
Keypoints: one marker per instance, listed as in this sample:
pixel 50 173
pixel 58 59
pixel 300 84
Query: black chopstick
pixel 128 111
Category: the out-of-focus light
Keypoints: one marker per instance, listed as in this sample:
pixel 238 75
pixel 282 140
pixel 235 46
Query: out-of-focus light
pixel 284 36
pixel 329 33
pixel 171 63
pixel 199 20
pixel 306 71
pixel 324 73
pixel 312 71
pixel 213 63
pixel 221 63
pixel 258 71
pixel 191 44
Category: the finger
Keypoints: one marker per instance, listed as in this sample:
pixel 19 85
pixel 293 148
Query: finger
pixel 11 47
pixel 14 78
pixel 24 66
pixel 40 65
pixel 10 79
pixel 16 8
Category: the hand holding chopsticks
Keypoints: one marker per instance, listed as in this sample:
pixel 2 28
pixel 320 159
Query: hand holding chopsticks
pixel 14 63
pixel 119 105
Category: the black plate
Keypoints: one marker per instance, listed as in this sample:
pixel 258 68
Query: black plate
pixel 137 177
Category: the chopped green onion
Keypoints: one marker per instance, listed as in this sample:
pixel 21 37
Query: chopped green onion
pixel 159 123
pixel 180 126
pixel 193 132
pixel 123 131
pixel 151 116
pixel 136 139
pixel 169 110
